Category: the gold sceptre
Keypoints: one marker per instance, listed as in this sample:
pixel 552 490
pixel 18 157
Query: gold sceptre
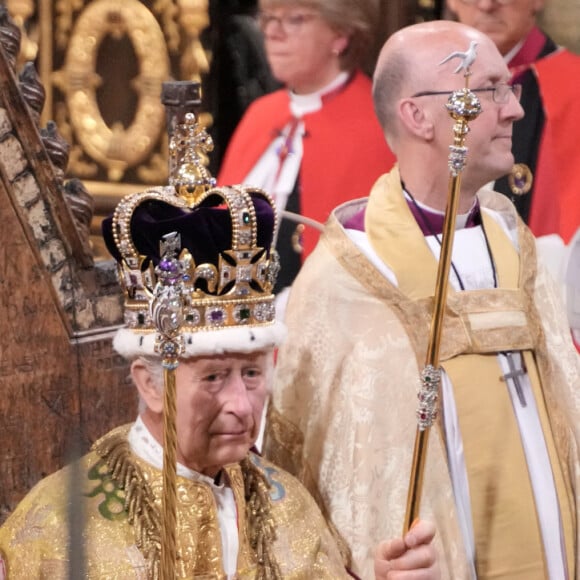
pixel 188 146
pixel 463 106
pixel 167 313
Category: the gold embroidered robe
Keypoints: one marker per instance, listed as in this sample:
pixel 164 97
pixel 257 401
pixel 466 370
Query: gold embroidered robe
pixel 348 374
pixel 34 539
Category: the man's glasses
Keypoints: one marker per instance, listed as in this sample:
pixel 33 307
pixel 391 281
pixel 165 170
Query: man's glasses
pixel 499 93
pixel 289 23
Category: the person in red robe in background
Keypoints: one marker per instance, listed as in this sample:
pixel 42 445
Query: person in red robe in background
pixel 315 143
pixel 544 140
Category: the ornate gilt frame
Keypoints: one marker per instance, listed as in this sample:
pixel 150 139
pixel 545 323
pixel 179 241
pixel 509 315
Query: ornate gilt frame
pixel 114 159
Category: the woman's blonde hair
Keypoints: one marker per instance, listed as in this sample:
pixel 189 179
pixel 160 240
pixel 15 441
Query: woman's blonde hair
pixel 355 18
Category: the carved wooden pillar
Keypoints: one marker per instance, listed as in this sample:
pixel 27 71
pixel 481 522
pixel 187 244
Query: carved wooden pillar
pixel 59 377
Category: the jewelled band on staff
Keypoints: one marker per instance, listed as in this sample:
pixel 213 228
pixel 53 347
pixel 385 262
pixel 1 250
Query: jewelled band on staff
pixel 168 302
pixel 428 396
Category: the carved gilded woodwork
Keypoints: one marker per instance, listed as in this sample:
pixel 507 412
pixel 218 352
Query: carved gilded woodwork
pixel 112 145
pixel 150 36
pixel 102 63
pixel 22 12
pixel 194 19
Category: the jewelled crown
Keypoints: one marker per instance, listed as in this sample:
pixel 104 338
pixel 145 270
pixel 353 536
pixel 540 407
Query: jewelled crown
pixel 195 260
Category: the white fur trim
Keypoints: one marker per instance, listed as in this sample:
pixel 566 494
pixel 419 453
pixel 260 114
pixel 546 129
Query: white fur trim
pixel 132 343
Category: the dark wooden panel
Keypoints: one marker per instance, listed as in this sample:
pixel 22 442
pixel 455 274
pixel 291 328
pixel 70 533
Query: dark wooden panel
pixel 61 385
pixel 38 402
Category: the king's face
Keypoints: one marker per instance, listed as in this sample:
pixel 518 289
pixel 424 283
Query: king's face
pixel 219 406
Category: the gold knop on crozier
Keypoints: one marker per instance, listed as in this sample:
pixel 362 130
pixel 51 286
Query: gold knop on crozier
pixel 463 106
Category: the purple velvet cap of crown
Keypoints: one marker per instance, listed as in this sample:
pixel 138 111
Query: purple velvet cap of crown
pixel 205 231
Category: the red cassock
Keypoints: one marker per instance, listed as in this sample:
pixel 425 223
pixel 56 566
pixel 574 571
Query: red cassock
pixel 344 148
pixel 556 203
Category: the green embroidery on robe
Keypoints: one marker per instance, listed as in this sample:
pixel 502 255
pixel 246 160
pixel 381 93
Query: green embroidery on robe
pixel 113 506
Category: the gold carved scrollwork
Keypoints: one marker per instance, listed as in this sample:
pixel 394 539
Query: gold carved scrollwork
pixel 115 147
pixel 21 12
pixel 194 18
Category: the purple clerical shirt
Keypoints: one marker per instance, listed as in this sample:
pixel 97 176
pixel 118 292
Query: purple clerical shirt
pixel 431 223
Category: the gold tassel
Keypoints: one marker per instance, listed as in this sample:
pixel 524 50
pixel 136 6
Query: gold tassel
pixel 139 499
pixel 261 529
pixel 144 516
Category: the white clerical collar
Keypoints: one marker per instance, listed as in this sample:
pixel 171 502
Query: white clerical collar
pixel 508 56
pixel 147 448
pixel 303 104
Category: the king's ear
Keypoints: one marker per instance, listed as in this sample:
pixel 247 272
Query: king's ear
pixel 147 384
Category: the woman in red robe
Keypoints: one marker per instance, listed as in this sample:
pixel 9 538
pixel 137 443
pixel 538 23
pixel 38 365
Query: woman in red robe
pixel 316 143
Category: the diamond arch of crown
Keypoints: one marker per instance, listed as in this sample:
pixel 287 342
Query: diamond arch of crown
pixel 236 291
